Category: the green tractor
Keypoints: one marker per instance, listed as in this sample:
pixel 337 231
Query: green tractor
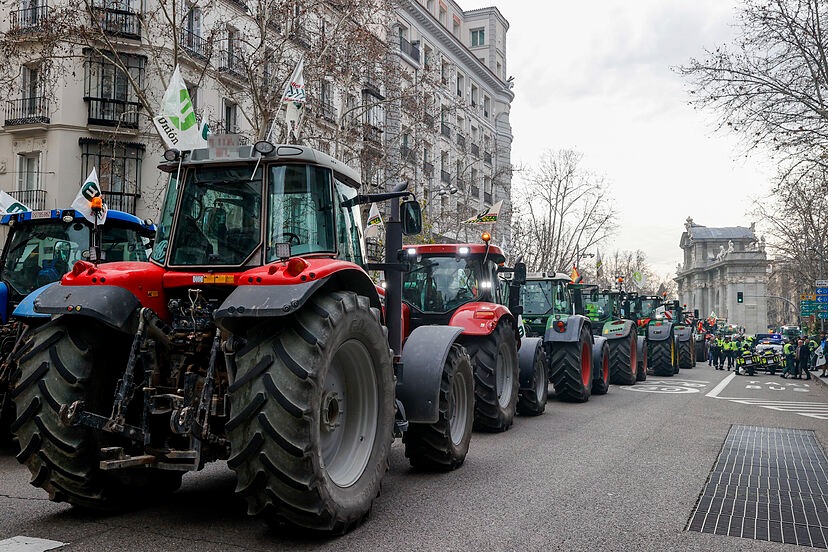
pixel 683 330
pixel 578 360
pixel 604 309
pixel 657 329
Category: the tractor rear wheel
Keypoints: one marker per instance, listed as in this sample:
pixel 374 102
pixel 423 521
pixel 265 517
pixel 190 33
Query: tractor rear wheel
pixel 572 368
pixel 312 414
pixel 624 360
pixel 685 354
pixel 496 377
pixel 443 445
pixel 662 357
pixel 6 418
pixel 600 385
pixel 65 361
pixel 641 374
pixel 701 353
pixel 532 401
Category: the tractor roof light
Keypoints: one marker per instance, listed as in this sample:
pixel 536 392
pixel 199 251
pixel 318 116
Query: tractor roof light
pixel 485 284
pixel 263 147
pixel 172 154
pixel 96 203
pixel 412 252
pixel 486 237
pixel 463 251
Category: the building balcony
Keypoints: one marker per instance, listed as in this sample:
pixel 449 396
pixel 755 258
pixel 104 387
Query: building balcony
pixel 33 199
pixel 121 201
pixel 475 150
pixel 445 130
pixel 461 140
pixel 371 86
pixel 29 20
pixel 241 4
pixel 474 191
pixel 231 62
pixel 412 50
pixel 445 177
pixel 122 23
pixel 407 154
pixel 370 133
pixel 27 111
pixel 428 120
pixel 327 111
pixel 487 157
pixel 194 44
pixel 113 113
pixel 428 168
pixel 487 197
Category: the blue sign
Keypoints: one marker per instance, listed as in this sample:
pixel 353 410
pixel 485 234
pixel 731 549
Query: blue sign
pixel 822 298
pixel 822 315
pixel 822 291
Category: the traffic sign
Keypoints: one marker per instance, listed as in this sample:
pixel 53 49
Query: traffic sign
pixel 822 298
pixel 822 291
pixel 822 315
pixel 807 297
pixel 821 283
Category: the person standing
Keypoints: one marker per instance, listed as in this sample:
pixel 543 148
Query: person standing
pixel 790 358
pixel 803 356
pixel 715 352
pixel 820 357
pixel 731 353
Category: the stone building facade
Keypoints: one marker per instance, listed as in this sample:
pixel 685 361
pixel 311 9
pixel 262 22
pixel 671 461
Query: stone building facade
pixel 719 263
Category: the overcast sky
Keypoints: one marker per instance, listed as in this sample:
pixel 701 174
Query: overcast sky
pixel 596 77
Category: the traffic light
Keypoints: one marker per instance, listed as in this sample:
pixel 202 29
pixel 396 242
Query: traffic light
pixel 740 298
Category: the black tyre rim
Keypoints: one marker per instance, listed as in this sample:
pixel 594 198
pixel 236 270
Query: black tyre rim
pixel 458 419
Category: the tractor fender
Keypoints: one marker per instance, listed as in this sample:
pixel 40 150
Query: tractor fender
pixel 526 361
pixel 26 307
pixel 571 333
pixel 618 329
pixel 660 333
pixel 599 348
pixel 420 376
pixel 114 306
pixel 683 333
pixel 249 304
pixel 479 318
pixel 4 302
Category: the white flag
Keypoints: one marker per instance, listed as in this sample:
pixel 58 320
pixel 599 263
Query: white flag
pixel 83 201
pixel 294 98
pixel 488 217
pixel 599 264
pixel 176 121
pixel 9 205
pixel 639 279
pixel 372 228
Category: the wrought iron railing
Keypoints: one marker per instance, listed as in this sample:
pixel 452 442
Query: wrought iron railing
pixel 121 201
pixel 123 23
pixel 29 19
pixel 445 177
pixel 111 112
pixel 475 150
pixel 231 62
pixel 33 199
pixel 26 111
pixel 461 140
pixel 445 130
pixel 487 157
pixel 487 197
pixel 409 49
pixel 428 168
pixel 195 44
pixel 474 191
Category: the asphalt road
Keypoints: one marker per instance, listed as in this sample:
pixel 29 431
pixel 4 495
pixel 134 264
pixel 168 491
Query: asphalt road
pixel 621 472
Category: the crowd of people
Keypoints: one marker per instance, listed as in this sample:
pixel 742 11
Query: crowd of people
pixel 800 356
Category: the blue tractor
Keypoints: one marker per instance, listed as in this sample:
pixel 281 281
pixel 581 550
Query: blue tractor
pixel 42 246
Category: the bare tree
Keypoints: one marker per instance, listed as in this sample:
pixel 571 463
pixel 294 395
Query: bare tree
pixel 770 85
pixel 562 211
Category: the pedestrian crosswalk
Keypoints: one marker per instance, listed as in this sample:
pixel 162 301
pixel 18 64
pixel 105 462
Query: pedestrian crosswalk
pixel 811 410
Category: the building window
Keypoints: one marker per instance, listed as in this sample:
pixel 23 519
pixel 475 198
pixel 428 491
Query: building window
pixel 444 72
pixel 455 26
pixel 191 38
pixel 192 90
pixel 230 121
pixel 111 97
pixel 487 106
pixel 28 171
pixel 430 6
pixel 477 37
pixel 473 95
pixel 119 170
pixel 460 85
pixel 443 16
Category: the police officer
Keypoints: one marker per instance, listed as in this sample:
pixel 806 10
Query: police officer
pixel 803 357
pixel 789 351
pixel 718 352
pixel 730 347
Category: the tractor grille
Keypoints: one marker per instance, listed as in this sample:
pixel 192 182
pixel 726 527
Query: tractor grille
pixel 768 484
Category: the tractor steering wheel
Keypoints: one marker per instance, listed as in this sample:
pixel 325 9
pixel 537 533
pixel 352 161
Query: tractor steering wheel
pixel 291 236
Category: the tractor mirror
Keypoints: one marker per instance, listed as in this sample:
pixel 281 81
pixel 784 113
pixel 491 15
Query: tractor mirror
pixel 519 273
pixel 411 217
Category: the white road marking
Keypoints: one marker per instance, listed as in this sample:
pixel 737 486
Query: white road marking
pixel 722 384
pixel 23 543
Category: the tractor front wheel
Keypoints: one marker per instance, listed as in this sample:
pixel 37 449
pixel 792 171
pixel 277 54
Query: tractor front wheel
pixel 312 414
pixel 496 377
pixel 624 360
pixel 685 354
pixel 443 445
pixel 600 385
pixel 572 368
pixel 662 356
pixel 532 401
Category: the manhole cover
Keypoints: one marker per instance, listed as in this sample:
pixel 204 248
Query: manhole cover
pixel 767 484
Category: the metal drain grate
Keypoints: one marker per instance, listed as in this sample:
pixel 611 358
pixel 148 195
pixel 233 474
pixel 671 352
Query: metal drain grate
pixel 767 484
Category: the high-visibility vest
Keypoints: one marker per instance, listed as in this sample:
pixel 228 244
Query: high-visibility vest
pixel 788 349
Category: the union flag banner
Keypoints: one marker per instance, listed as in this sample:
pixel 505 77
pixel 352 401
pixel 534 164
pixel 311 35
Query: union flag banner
pixel 489 217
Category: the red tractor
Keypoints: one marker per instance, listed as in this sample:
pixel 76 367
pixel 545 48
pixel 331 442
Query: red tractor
pixel 255 335
pixel 459 285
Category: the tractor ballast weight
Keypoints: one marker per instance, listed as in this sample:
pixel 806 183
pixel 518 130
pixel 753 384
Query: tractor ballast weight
pixel 261 344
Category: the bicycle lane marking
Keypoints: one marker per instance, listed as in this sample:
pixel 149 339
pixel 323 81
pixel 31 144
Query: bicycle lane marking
pixel 810 410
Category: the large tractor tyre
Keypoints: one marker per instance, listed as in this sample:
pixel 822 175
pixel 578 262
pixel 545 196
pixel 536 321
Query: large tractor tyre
pixel 64 362
pixel 496 377
pixel 443 445
pixel 600 385
pixel 641 374
pixel 685 354
pixel 572 368
pixel 312 414
pixel 623 355
pixel 6 419
pixel 701 351
pixel 532 402
pixel 661 358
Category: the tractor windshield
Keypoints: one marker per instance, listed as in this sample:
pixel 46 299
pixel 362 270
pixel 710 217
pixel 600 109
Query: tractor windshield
pixel 540 297
pixel 646 308
pixel 441 284
pixel 219 221
pixel 41 253
pixel 598 306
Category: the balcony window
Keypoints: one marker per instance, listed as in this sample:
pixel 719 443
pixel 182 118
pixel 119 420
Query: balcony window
pixel 460 85
pixel 478 37
pixel 487 106
pixel 232 55
pixel 410 49
pixel 33 106
pixel 191 39
pixel 111 98
pixel 230 120
pixel 28 172
pixel 117 18
pixel 119 170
